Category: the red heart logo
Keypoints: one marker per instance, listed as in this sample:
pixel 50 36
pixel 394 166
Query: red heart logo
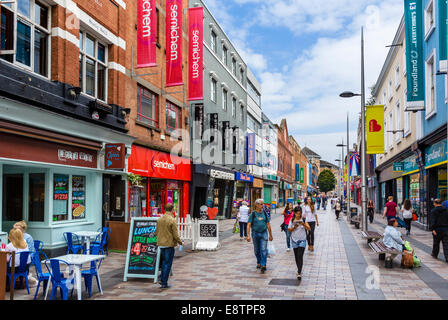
pixel 374 126
pixel 212 212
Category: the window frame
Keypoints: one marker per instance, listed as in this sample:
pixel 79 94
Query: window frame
pixel 398 121
pixel 429 102
pixel 178 111
pixel 429 29
pixel 33 25
pixel 213 90
pixel 151 96
pixel 397 77
pixel 224 96
pixel 234 102
pixel 214 41
pixel 407 118
pixel 84 55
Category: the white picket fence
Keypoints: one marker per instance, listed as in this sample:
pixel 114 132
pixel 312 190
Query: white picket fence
pixel 185 227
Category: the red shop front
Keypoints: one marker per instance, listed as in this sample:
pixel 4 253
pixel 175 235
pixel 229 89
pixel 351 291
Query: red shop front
pixel 165 180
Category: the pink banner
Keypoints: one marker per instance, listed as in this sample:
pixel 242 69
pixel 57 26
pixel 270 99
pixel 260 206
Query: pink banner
pixel 173 43
pixel 195 55
pixel 146 33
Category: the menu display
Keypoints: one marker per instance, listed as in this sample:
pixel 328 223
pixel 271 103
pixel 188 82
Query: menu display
pixel 207 231
pixel 78 197
pixel 142 259
pixel 60 196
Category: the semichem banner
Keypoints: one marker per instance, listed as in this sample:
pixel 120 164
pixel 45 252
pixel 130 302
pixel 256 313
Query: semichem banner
pixel 174 43
pixel 195 53
pixel 146 33
pixel 375 129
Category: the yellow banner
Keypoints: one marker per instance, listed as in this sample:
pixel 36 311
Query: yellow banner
pixel 375 129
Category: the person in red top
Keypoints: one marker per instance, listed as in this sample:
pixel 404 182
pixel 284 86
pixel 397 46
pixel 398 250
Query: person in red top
pixel 391 209
pixel 287 215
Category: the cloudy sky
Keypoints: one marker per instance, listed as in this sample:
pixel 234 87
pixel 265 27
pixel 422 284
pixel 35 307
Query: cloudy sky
pixel 304 53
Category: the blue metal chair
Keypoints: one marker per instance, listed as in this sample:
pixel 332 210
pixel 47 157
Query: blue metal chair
pixel 57 280
pixel 101 240
pixel 73 243
pixel 41 276
pixel 21 271
pixel 93 271
pixel 38 245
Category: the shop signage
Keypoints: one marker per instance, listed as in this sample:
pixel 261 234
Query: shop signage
pixel 250 149
pixel 302 175
pixel 174 43
pixel 436 154
pixel 413 12
pixel 195 53
pixel 271 177
pixel 243 177
pixel 155 164
pixel 398 167
pixel 297 172
pixel 410 165
pixel 375 129
pixel 257 183
pixel 207 235
pixel 221 174
pixel 143 254
pixel 146 33
pixel 114 156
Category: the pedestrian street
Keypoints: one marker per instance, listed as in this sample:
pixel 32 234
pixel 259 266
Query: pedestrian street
pixel 342 267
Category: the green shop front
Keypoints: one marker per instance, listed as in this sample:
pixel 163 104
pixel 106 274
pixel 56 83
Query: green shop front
pixel 270 190
pixel 436 171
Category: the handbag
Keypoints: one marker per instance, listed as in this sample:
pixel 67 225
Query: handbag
pixel 407 259
pixel 414 217
pixel 282 227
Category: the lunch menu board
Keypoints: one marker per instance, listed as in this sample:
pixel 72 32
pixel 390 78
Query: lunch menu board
pixel 142 258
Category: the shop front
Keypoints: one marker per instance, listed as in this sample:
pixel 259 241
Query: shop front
pixel 165 179
pixel 436 169
pixel 52 181
pixel 243 186
pixel 212 187
pixel 413 185
pixel 256 192
pixel 270 190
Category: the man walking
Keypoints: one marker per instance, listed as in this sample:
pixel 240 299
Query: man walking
pixel 259 224
pixel 167 239
pixel 438 224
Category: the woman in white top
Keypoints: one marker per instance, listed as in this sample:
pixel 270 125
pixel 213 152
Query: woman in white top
pixel 407 215
pixel 297 227
pixel 310 214
pixel 17 244
pixel 243 218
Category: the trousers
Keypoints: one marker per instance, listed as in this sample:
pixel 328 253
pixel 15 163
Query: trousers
pixel 441 236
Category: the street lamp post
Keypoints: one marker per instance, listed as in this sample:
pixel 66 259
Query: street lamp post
pixel 342 145
pixel 348 94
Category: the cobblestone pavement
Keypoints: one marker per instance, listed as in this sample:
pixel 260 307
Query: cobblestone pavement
pixel 341 267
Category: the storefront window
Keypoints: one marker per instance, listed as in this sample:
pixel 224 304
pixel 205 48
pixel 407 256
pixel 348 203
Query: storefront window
pixel 442 184
pixel 156 190
pixel 12 197
pixel 173 194
pixel 36 197
pixel 60 197
pixel 414 192
pixel 78 197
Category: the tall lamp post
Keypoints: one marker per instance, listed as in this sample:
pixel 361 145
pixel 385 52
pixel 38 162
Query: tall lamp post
pixel 348 94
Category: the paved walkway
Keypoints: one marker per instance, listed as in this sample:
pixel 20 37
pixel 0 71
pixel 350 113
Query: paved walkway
pixel 341 267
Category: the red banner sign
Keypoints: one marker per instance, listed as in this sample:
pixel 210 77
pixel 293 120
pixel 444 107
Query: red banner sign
pixel 174 43
pixel 146 33
pixel 195 54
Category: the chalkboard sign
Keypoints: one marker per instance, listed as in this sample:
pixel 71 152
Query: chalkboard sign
pixel 208 231
pixel 143 255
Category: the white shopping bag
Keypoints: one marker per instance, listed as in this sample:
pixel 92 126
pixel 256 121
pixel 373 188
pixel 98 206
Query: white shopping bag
pixel 271 248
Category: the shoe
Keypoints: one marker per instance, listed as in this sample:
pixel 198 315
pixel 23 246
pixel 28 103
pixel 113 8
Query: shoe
pixel 435 257
pixel 263 269
pixel 288 249
pixel 165 287
pixel 258 266
pixel 299 276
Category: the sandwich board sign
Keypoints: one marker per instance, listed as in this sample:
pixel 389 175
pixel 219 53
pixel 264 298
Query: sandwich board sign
pixel 143 255
pixel 208 235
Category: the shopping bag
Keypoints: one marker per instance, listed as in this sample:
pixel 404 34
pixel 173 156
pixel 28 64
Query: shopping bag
pixel 414 217
pixel 417 262
pixel 271 248
pixel 236 229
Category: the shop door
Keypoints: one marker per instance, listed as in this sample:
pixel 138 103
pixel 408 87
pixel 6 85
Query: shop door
pixel 12 206
pixel 200 199
pixel 113 198
pixel 267 195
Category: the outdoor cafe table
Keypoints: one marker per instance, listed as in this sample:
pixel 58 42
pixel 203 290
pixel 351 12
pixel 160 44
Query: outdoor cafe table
pixel 86 236
pixel 75 262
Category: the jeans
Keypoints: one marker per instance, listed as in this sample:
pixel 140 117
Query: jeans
pixel 408 224
pixel 260 240
pixel 288 237
pixel 337 212
pixel 243 229
pixel 441 236
pixel 310 235
pixel 167 255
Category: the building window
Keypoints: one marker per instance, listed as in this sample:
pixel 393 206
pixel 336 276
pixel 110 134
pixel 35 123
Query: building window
pixel 242 76
pixel 384 98
pixel 233 107
pixel 404 62
pixel 429 18
pixel 253 93
pixel 69 190
pixel 242 114
pixel 430 79
pixel 224 54
pixel 397 77
pixel 234 66
pixel 389 89
pixel 224 99
pixel 213 41
pixel 78 197
pixel 173 117
pixel 92 66
pixel 398 121
pixel 25 28
pixel 390 134
pixel 213 89
pixel 147 107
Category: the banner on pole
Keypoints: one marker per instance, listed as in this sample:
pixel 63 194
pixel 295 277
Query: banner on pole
pixel 195 53
pixel 146 33
pixel 414 55
pixel 375 129
pixel 174 43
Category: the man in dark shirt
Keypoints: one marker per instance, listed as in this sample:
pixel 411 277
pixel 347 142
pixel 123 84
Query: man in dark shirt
pixel 438 224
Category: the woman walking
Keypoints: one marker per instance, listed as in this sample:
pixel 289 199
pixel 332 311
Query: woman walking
pixel 243 217
pixel 337 209
pixel 311 218
pixel 370 210
pixel 407 215
pixel 287 215
pixel 297 227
